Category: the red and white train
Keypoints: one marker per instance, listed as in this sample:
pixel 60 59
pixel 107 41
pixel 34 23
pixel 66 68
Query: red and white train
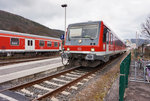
pixel 91 43
pixel 15 42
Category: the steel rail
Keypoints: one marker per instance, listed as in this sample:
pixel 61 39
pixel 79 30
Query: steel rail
pixel 58 90
pixel 39 80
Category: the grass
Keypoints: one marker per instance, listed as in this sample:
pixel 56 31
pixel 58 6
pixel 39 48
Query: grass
pixel 97 90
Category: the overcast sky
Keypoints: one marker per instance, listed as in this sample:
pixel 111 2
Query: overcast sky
pixel 124 17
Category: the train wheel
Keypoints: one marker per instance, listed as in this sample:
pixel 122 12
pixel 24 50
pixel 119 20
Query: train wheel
pixel 65 60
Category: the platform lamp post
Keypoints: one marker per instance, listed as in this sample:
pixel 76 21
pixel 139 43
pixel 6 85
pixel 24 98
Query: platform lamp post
pixel 64 6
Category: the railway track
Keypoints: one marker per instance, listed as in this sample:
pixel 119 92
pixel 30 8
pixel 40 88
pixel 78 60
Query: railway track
pixel 48 87
pixel 54 87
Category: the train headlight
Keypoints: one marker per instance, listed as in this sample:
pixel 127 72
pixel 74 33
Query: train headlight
pixel 68 49
pixel 92 49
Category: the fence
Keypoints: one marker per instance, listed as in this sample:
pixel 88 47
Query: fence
pixel 124 72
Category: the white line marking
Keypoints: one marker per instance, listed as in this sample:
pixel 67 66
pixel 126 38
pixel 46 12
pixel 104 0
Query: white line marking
pixel 7 97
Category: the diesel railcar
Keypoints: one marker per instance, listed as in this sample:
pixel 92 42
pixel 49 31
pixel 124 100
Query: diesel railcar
pixel 91 43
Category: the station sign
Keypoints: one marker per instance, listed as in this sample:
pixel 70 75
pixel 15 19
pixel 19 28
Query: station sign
pixel 62 37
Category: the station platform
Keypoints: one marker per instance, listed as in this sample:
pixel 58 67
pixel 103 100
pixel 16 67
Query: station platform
pixel 14 71
pixel 138 90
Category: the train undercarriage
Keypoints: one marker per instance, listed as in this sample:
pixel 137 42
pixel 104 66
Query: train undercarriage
pixel 86 60
pixel 19 55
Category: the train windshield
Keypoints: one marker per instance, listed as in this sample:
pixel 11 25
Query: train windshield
pixel 86 31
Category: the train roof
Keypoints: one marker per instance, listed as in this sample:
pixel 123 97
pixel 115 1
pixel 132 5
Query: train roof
pixel 83 23
pixel 25 34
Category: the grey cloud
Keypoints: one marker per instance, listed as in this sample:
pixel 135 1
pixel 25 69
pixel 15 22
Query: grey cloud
pixel 123 16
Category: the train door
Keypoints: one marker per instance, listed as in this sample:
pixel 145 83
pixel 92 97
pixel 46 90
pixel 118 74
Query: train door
pixel 29 44
pixel 59 45
pixel 110 42
pixel 107 42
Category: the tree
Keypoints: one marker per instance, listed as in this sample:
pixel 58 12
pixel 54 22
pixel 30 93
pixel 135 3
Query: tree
pixel 146 28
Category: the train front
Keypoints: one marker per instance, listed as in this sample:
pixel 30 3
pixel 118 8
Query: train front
pixel 81 43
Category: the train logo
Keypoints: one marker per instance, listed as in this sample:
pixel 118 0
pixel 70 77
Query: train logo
pixel 80 41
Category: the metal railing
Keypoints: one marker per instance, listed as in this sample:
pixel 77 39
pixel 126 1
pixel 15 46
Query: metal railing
pixel 124 72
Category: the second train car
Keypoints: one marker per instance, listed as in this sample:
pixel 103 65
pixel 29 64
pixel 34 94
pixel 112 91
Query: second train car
pixel 22 43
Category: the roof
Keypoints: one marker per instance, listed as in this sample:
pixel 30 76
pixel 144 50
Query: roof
pixel 25 34
pixel 94 22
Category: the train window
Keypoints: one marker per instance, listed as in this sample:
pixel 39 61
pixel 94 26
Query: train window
pixel 104 34
pixel 14 41
pixel 41 43
pixel 49 43
pixel 107 37
pixel 31 42
pixel 55 44
pixel 28 42
pixel 89 31
pixel 85 31
pixel 111 38
pixel 75 33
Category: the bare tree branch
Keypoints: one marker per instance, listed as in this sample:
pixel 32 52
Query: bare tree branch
pixel 146 28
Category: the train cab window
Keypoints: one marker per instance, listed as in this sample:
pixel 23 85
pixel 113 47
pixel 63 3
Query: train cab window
pixel 14 41
pixel 89 31
pixel 41 43
pixel 104 34
pixel 49 43
pixel 55 44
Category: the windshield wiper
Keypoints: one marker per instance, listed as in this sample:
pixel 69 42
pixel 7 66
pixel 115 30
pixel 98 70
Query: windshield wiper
pixel 88 37
pixel 91 38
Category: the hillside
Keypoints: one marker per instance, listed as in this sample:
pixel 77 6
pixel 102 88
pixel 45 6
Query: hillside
pixel 12 22
pixel 141 41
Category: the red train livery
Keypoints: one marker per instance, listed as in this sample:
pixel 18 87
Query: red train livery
pixel 14 42
pixel 91 43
